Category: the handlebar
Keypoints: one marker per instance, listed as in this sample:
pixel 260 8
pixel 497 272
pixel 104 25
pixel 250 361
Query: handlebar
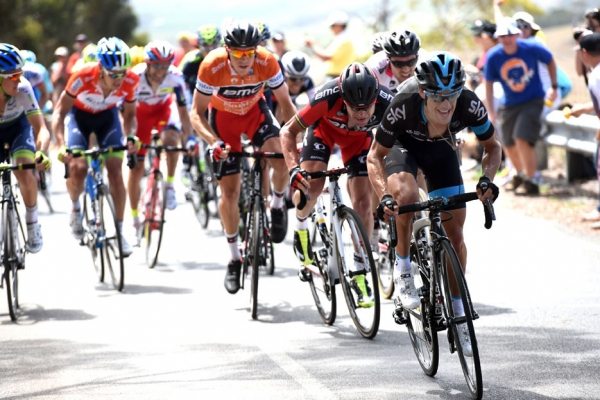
pixel 300 198
pixel 96 152
pixel 17 167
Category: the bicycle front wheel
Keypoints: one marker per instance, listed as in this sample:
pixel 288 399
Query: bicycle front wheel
pixel 468 352
pixel 11 274
pixel 112 248
pixel 199 194
pixel 254 240
pixel 321 287
pixel 91 227
pixel 358 275
pixel 154 220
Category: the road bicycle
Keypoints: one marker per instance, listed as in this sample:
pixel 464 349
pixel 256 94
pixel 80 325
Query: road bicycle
pixel 153 201
pixel 336 250
pixel 101 232
pixel 437 270
pixel 44 190
pixel 257 248
pixel 12 238
pixel 203 188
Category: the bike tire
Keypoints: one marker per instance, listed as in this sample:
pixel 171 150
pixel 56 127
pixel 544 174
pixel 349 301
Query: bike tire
pixel 354 235
pixel 199 194
pixel 255 257
pixel 154 221
pixel 421 323
pixel 112 247
pixel 10 274
pixel 90 237
pixel 386 255
pixel 268 253
pixel 321 287
pixel 470 365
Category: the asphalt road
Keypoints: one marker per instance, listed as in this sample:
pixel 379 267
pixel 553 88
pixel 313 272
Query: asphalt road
pixel 174 333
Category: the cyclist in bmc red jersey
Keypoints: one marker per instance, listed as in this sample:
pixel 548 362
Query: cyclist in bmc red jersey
pixel 230 86
pixel 89 105
pixel 159 80
pixel 343 111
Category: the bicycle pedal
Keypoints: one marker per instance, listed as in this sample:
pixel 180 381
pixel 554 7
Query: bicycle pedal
pixel 398 315
pixel 474 315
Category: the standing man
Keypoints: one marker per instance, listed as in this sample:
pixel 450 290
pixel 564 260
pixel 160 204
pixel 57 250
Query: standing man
pixel 514 63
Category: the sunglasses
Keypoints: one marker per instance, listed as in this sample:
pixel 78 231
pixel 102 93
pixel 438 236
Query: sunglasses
pixel 295 79
pixel 438 98
pixel 115 74
pixel 242 53
pixel 359 109
pixel 15 77
pixel 400 64
pixel 523 25
pixel 160 66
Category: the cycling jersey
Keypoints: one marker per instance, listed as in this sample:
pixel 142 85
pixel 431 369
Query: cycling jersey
pixel 162 96
pixel 233 93
pixel 328 118
pixel 379 64
pixel 84 87
pixel 23 103
pixel 189 65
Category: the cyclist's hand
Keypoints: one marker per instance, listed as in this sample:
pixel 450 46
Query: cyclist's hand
pixel 192 145
pixel 43 161
pixel 482 189
pixel 298 179
pixel 64 156
pixel 219 150
pixel 387 207
pixel 133 144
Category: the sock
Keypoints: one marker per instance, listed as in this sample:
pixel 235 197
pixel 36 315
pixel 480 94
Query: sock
pixel 402 265
pixel 76 205
pixel 170 180
pixel 134 212
pixel 232 240
pixel 301 223
pixel 277 200
pixel 31 215
pixel 120 226
pixel 457 306
pixel 358 264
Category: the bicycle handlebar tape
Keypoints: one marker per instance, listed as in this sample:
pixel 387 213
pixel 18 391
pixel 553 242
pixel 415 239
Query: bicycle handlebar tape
pixel 132 160
pixel 393 232
pixel 490 215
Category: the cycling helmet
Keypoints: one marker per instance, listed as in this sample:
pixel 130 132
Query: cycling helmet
pixel 401 44
pixel 28 56
pixel 209 36
pixel 113 54
pixel 159 52
pixel 137 54
pixel 88 54
pixel 295 63
pixel 263 30
pixel 358 85
pixel 10 58
pixel 242 35
pixel 378 40
pixel 442 72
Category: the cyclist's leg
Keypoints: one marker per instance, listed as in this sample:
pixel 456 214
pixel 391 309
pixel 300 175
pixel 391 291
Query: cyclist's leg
pixel 354 156
pixel 145 122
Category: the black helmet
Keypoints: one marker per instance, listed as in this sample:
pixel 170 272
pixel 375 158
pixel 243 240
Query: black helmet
pixel 442 72
pixel 378 41
pixel 401 44
pixel 242 35
pixel 358 85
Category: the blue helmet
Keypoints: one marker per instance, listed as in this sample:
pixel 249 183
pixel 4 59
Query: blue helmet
pixel 113 54
pixel 10 58
pixel 28 56
pixel 442 72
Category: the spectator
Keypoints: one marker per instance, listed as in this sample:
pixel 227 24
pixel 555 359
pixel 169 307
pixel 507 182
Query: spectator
pixel 514 63
pixel 590 56
pixel 483 35
pixel 187 43
pixel 81 41
pixel 58 71
pixel 340 52
pixel 279 44
pixel 592 19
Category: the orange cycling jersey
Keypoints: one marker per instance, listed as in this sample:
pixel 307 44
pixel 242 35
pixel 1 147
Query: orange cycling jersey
pixel 231 92
pixel 84 87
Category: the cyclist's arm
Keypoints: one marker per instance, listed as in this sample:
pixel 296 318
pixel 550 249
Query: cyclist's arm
pixel 65 103
pixel 40 132
pixel 198 117
pixel 376 168
pixel 282 94
pixel 492 156
pixel 186 124
pixel 288 134
pixel 129 116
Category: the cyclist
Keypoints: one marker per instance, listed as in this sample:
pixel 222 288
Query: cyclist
pixel 230 86
pixel 343 111
pixel 159 79
pixel 89 104
pixel 397 62
pixel 23 128
pixel 377 42
pixel 418 131
pixel 209 38
pixel 301 87
pixel 38 76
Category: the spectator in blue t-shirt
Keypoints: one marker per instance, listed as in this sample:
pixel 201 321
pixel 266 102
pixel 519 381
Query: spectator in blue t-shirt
pixel 514 63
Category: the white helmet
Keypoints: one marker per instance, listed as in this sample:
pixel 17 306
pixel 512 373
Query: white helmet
pixel 295 63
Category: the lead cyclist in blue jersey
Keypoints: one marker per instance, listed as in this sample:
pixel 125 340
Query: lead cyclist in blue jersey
pixel 418 131
pixel 23 129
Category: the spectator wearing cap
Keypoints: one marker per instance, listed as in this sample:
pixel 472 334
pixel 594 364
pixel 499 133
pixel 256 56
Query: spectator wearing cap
pixel 514 63
pixel 590 55
pixel 279 44
pixel 58 71
pixel 81 41
pixel 340 52
pixel 528 27
pixel 483 34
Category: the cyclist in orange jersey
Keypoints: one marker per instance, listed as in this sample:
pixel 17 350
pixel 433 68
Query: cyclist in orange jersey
pixel 230 86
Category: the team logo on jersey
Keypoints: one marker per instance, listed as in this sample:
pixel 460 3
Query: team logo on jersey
pixel 385 95
pixel 327 92
pixel 396 113
pixel 232 92
pixel 476 108
pixel 76 85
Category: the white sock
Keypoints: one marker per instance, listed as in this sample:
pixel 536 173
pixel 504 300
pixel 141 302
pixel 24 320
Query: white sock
pixel 457 306
pixel 232 240
pixel 402 265
pixel 31 215
pixel 301 223
pixel 277 200
pixel 76 205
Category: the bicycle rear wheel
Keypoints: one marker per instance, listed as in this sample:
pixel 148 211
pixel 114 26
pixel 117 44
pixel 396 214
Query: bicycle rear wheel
pixel 267 255
pixel 154 220
pixel 421 322
pixel 322 290
pixel 199 194
pixel 356 252
pixel 91 226
pixel 469 358
pixel 112 248
pixel 386 255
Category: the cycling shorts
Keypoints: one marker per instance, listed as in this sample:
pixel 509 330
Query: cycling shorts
pixel 258 125
pixel 106 124
pixel 160 117
pixel 319 142
pixel 438 161
pixel 18 134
